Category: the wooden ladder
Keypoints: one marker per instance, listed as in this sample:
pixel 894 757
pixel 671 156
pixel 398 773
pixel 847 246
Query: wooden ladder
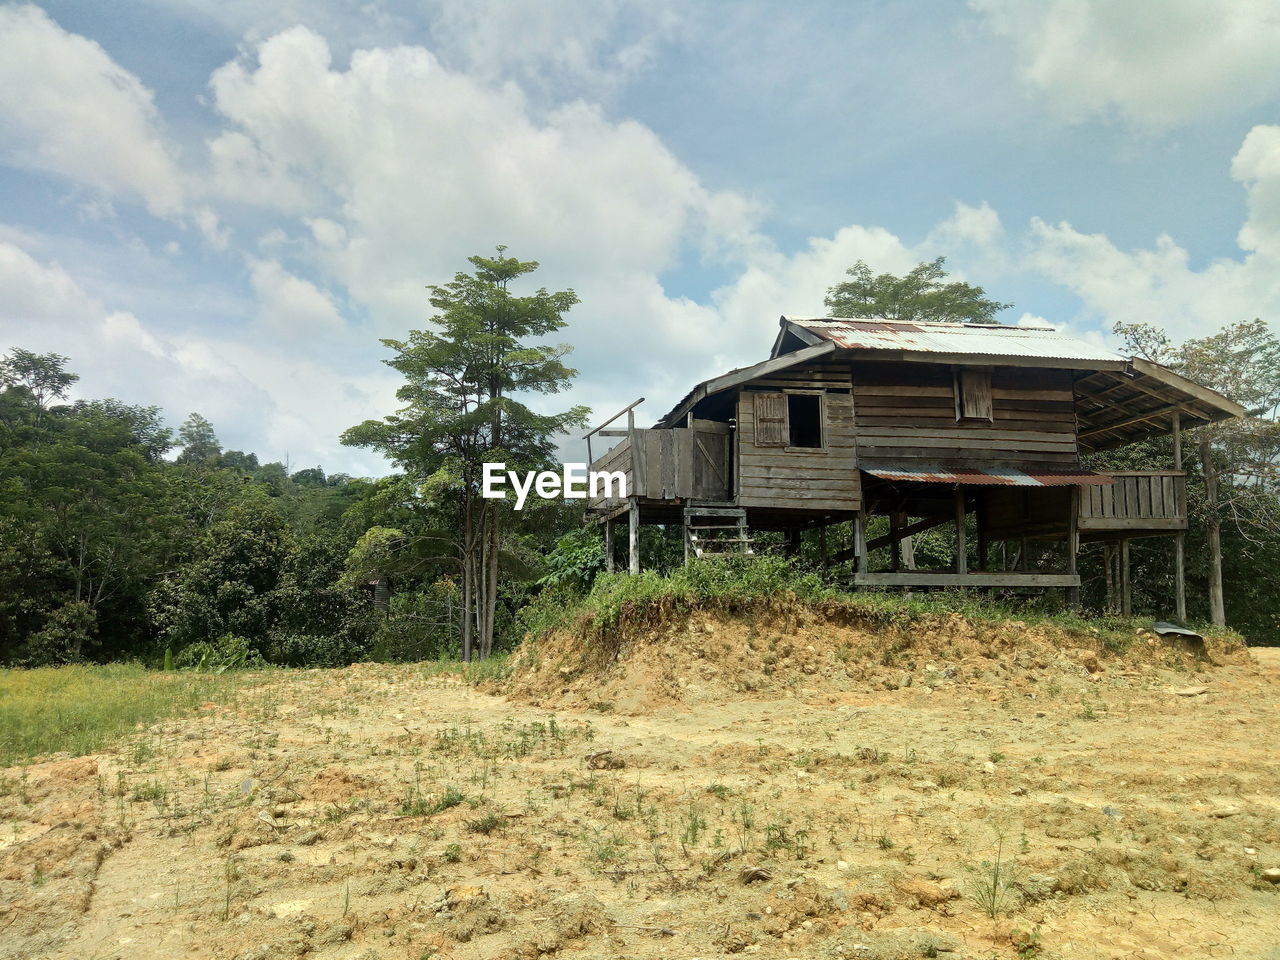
pixel 715 531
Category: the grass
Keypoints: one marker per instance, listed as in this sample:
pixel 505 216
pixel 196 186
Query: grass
pixel 618 603
pixel 82 708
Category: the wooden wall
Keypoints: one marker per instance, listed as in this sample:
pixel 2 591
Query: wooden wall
pixel 823 478
pixel 906 413
pixel 619 458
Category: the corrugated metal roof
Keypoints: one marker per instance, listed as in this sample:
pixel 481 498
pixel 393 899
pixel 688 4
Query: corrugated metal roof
pixel 954 338
pixel 986 476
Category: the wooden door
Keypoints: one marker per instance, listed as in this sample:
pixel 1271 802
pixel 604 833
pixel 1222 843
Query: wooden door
pixel 711 460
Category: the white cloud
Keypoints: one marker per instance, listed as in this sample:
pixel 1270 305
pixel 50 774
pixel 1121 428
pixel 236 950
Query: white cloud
pixel 1159 284
pixel 398 167
pixel 260 398
pixel 67 108
pixel 289 305
pixel 591 43
pixel 1156 64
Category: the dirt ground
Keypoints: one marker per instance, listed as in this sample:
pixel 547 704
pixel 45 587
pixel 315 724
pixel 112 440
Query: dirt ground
pixel 1024 802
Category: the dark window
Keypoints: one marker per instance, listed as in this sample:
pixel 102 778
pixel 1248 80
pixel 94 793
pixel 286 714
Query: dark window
pixel 804 415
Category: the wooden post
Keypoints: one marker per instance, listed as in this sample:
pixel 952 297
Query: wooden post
pixel 1217 609
pixel 608 545
pixel 860 542
pixel 908 553
pixel 633 514
pixel 1109 568
pixel 962 557
pixel 982 532
pixel 793 541
pixel 1126 585
pixel 1180 538
pixel 1073 546
pixel 896 523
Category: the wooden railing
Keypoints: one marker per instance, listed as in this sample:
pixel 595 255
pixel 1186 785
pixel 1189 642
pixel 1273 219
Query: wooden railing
pixel 1137 500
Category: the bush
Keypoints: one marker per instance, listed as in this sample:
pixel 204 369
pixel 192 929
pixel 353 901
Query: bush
pixel 228 652
pixel 308 650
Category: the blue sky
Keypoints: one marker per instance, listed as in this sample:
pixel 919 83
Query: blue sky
pixel 222 205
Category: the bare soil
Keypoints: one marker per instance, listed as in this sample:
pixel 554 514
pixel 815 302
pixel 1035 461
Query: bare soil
pixel 716 788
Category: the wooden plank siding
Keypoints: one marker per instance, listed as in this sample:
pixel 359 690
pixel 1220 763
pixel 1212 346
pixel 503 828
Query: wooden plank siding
pixel 619 458
pixel 906 413
pixel 1151 500
pixel 804 478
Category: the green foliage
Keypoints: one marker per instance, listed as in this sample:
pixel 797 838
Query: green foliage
pixel 199 442
pixel 227 652
pixel 461 408
pixel 576 560
pixel 921 294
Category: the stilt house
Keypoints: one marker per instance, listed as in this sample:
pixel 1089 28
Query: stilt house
pixel 925 424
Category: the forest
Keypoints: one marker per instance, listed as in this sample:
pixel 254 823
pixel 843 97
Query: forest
pixel 122 538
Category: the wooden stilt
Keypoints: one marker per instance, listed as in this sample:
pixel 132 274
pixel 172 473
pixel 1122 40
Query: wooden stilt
pixel 962 555
pixel 1126 586
pixel 982 534
pixel 1217 607
pixel 1109 569
pixel 1180 577
pixel 896 522
pixel 633 514
pixel 860 542
pixel 608 546
pixel 1073 546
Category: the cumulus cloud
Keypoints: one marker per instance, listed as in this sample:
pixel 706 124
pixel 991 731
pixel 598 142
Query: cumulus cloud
pixel 1156 64
pixel 268 400
pixel 596 44
pixel 1159 284
pixel 404 166
pixel 290 305
pixel 67 108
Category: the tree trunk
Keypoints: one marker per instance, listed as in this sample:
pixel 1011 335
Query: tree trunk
pixel 468 574
pixel 491 582
pixel 1217 609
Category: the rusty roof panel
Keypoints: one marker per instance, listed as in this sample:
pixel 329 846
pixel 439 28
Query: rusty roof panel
pixel 986 476
pixel 955 338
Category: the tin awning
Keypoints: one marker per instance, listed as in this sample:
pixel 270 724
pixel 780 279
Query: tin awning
pixel 985 476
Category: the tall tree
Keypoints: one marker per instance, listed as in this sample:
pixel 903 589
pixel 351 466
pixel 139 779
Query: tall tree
pixel 199 442
pixel 922 294
pixel 460 410
pixel 1239 459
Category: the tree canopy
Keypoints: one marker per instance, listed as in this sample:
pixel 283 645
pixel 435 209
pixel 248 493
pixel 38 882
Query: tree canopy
pixel 923 293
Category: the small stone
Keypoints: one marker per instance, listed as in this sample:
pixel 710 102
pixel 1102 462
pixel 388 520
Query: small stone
pixel 1019 791
pixel 1221 813
pixel 1191 691
pixel 842 865
pixel 988 767
pixel 1271 874
pixel 1089 660
pixel 1251 851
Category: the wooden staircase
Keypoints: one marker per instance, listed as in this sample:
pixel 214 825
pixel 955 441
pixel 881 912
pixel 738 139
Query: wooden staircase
pixel 715 531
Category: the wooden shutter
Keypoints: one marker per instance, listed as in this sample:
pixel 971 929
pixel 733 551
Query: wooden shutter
pixel 974 402
pixel 771 419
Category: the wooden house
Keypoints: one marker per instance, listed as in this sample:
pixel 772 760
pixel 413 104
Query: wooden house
pixel 925 424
